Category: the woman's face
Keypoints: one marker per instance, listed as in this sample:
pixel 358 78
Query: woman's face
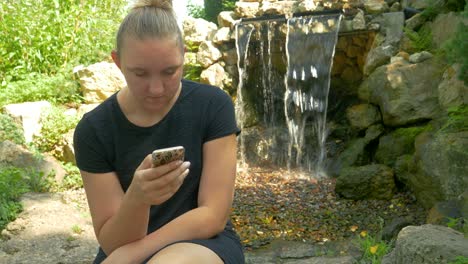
pixel 153 70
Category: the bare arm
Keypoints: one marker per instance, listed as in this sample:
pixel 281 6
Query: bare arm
pixel 215 200
pixel 120 218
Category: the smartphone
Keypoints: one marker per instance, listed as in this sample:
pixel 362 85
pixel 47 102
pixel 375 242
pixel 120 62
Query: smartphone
pixel 166 155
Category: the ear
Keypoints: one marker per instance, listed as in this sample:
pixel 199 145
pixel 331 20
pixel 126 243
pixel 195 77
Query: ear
pixel 115 58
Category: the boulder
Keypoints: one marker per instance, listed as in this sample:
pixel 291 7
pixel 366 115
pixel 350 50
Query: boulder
pixel 363 115
pixel 445 27
pixel 373 181
pixel 441 167
pixel 396 144
pixel 197 30
pixel 208 54
pixel 17 156
pixel 99 81
pixel 452 91
pixel 431 244
pixel 28 116
pixel 386 42
pixel 405 93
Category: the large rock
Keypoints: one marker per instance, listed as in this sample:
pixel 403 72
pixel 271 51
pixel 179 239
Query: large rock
pixel 247 9
pixel 431 244
pixel 386 42
pixel 445 27
pixel 452 91
pixel 442 170
pixel 208 54
pixel 405 93
pixel 17 156
pixel 366 182
pixel 197 30
pixel 396 144
pixel 355 153
pixel 214 75
pixel 363 115
pixel 99 81
pixel 28 116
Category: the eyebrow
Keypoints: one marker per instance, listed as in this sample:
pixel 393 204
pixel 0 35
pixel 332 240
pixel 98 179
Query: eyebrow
pixel 133 69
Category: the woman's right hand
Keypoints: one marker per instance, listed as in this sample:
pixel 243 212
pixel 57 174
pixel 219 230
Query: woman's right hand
pixel 155 185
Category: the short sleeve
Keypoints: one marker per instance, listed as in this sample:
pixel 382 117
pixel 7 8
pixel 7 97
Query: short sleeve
pixel 221 119
pixel 90 153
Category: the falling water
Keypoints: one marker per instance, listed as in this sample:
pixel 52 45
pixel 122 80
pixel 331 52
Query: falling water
pixel 242 44
pixel 295 95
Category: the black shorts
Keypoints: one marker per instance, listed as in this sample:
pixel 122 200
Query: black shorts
pixel 226 245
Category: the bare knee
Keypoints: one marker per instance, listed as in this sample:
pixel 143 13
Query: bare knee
pixel 184 253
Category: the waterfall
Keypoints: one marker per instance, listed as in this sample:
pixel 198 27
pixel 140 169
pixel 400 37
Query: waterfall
pixel 286 63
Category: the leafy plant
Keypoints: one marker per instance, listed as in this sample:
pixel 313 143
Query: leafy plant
pixel 10 130
pixel 38 181
pixel 55 123
pixel 373 248
pixel 50 35
pixel 456 49
pixel 196 11
pixel 73 179
pixel 421 40
pixel 459 224
pixel 57 89
pixel 12 186
pixel 457 119
pixel 77 229
pixel 459 260
pixel 192 72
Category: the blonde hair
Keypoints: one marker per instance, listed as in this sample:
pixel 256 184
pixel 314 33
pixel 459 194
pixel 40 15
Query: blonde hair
pixel 150 19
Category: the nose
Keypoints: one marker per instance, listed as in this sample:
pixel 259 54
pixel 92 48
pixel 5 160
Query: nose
pixel 156 86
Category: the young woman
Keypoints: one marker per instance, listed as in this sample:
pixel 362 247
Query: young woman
pixel 174 213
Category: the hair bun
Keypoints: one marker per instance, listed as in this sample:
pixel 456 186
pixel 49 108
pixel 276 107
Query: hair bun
pixel 163 4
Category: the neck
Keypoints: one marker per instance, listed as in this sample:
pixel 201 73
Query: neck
pixel 139 115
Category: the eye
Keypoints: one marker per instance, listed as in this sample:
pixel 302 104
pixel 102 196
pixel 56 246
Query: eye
pixel 170 71
pixel 140 73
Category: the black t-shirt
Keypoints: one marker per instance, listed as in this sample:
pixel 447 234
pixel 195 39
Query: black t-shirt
pixel 105 141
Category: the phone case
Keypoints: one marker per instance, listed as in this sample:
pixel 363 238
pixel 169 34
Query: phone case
pixel 166 155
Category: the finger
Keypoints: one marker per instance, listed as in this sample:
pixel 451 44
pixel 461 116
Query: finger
pixel 170 182
pixel 146 163
pixel 165 170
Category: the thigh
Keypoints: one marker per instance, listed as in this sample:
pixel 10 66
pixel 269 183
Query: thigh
pixel 185 252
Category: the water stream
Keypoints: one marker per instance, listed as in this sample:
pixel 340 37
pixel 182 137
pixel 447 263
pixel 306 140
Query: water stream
pixel 284 79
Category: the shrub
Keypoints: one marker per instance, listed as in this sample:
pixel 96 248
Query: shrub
pixel 456 49
pixel 10 130
pixel 57 89
pixel 55 123
pixel 12 186
pixel 48 36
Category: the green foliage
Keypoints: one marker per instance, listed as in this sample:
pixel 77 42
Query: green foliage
pixel 460 224
pixel 12 186
pixel 57 89
pixel 411 132
pixel 196 11
pixel 73 179
pixel 10 130
pixel 457 119
pixel 228 5
pixel 456 49
pixel 192 72
pixel 373 248
pixel 49 35
pixel 459 260
pixel 55 123
pixel 214 7
pixel 421 39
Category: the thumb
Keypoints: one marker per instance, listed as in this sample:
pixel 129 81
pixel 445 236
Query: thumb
pixel 146 163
